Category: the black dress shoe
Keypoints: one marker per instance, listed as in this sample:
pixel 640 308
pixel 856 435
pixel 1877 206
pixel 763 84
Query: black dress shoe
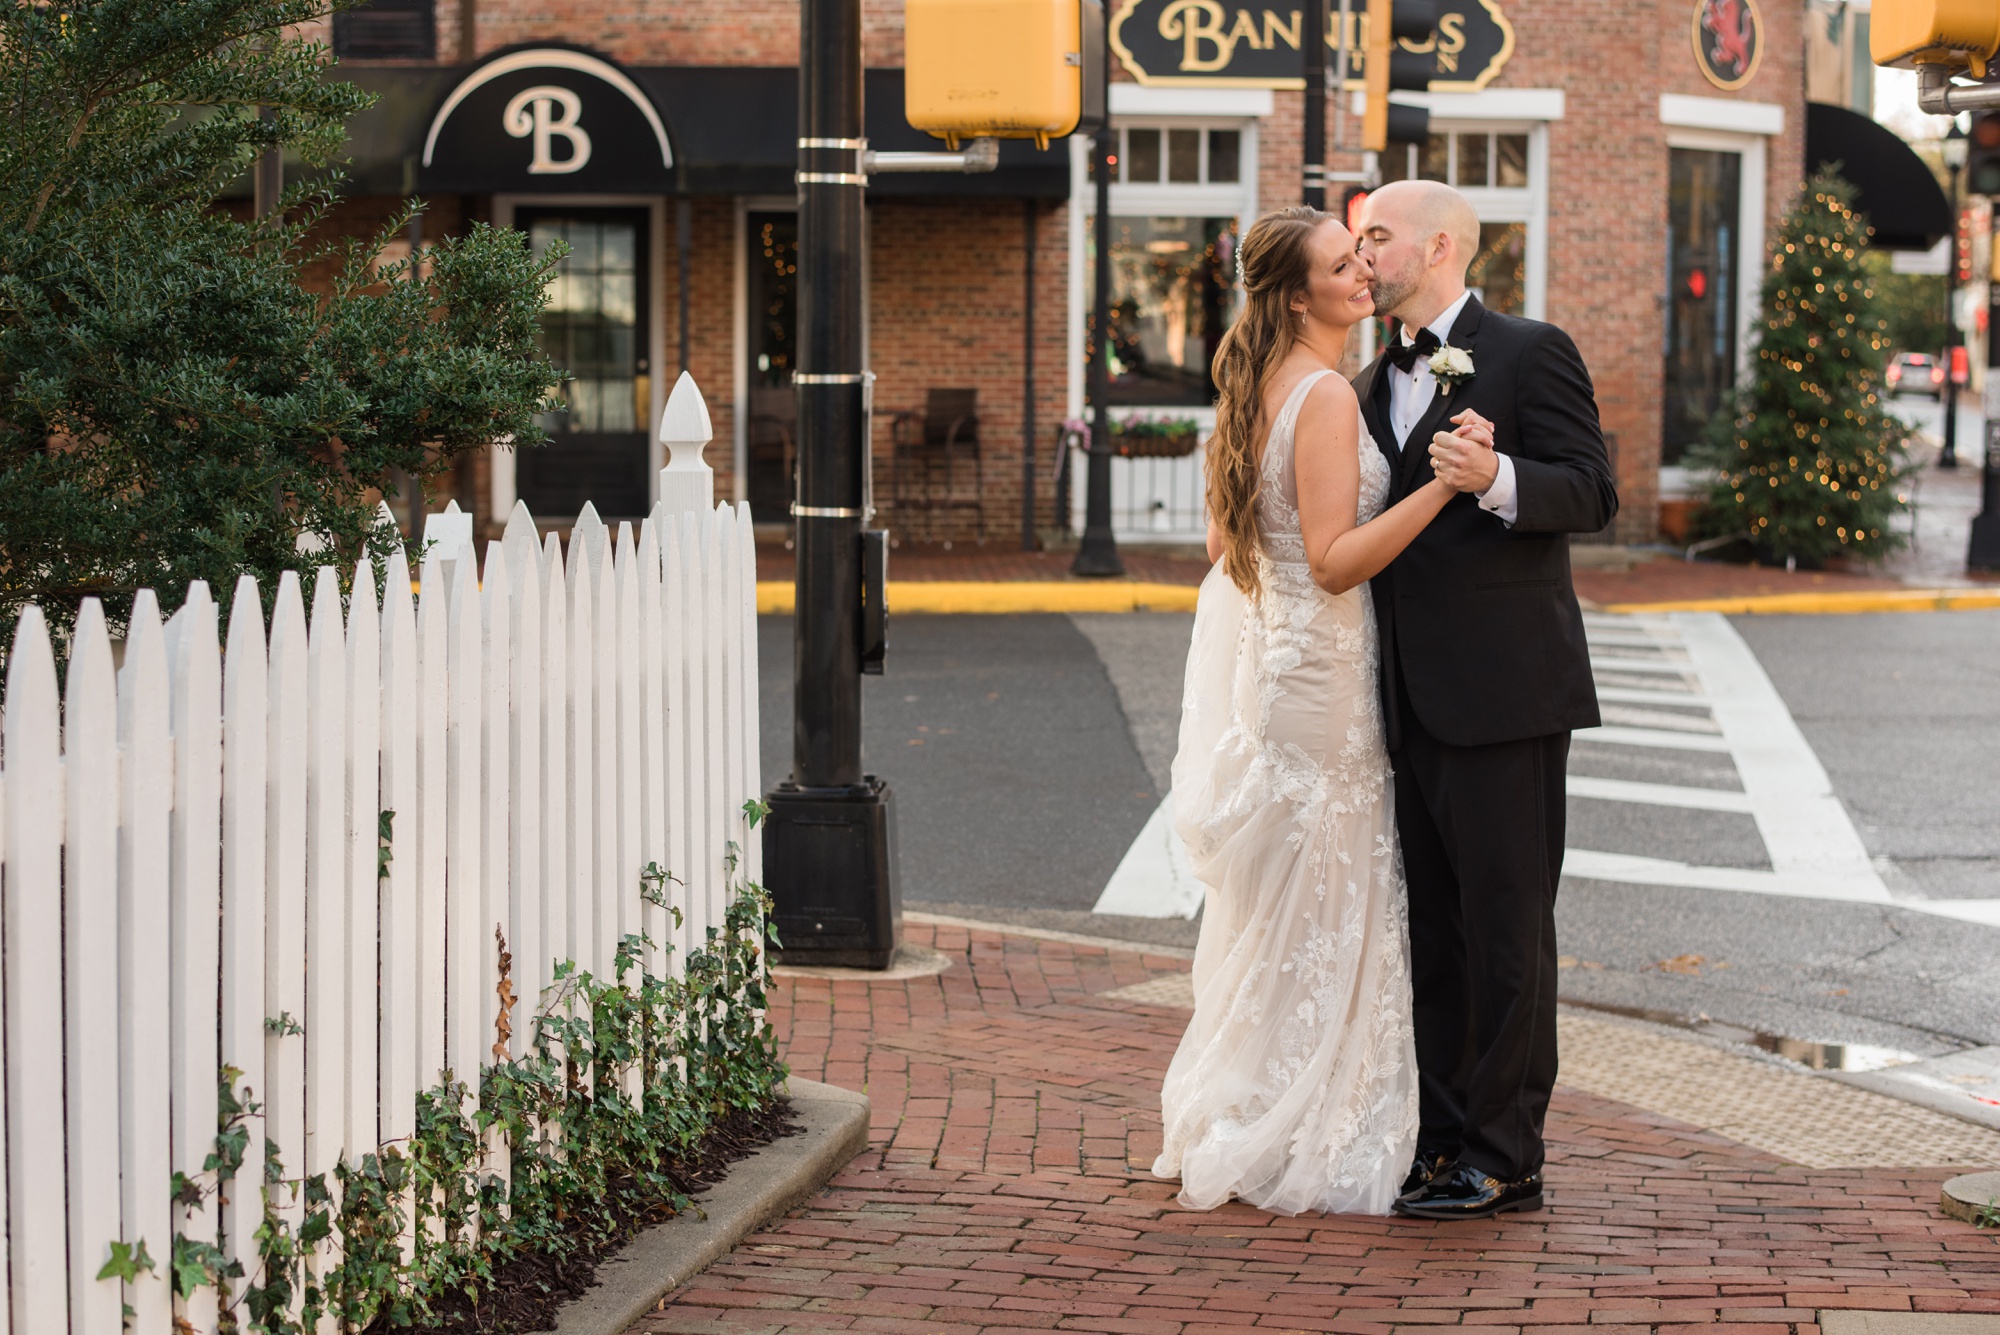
pixel 1424 1170
pixel 1464 1192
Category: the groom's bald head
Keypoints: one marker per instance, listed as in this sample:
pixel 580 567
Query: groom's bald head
pixel 1419 236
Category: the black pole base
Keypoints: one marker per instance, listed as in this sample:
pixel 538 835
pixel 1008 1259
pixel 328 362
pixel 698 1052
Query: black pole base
pixel 1097 557
pixel 1984 551
pixel 831 868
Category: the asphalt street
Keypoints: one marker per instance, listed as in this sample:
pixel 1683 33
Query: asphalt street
pixel 1027 753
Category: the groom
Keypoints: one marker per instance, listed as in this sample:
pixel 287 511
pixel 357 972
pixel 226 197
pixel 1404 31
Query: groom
pixel 1484 674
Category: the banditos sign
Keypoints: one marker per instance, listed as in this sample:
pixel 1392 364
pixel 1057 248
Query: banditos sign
pixel 1255 44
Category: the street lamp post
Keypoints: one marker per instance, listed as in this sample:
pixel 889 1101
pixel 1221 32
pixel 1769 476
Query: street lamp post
pixel 1954 160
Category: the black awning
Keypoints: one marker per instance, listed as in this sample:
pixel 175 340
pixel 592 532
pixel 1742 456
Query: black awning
pixel 734 132
pixel 1901 197
pixel 737 128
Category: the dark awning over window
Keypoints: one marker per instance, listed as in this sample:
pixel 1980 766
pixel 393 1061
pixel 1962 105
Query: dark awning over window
pixel 1894 188
pixel 733 131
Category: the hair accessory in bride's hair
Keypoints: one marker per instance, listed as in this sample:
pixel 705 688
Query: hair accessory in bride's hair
pixel 1240 280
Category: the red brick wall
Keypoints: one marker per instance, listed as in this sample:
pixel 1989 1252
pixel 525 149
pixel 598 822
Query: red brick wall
pixel 946 311
pixel 692 32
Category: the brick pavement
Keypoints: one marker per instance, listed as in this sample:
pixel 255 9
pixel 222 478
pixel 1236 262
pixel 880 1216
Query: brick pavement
pixel 1005 1188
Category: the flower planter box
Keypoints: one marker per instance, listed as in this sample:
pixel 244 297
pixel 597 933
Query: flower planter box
pixel 1155 444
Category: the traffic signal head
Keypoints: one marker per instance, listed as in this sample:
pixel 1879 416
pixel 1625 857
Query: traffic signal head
pixel 1982 154
pixel 1908 33
pixel 1010 69
pixel 1393 27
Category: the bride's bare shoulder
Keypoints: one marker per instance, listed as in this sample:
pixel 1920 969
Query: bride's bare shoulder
pixel 1331 402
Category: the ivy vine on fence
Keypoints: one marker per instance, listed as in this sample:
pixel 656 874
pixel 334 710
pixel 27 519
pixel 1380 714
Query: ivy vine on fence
pixel 622 1078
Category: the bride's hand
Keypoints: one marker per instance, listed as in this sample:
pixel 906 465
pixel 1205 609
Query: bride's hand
pixel 1471 426
pixel 1464 460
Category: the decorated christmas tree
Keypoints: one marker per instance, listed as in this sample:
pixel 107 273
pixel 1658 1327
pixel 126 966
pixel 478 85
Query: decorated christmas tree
pixel 1807 463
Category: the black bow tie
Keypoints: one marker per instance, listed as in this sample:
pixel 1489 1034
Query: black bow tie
pixel 1403 356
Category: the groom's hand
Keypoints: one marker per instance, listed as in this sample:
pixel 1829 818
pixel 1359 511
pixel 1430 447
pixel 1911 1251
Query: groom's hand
pixel 1464 460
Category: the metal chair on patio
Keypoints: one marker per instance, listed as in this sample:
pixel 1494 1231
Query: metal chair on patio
pixel 931 442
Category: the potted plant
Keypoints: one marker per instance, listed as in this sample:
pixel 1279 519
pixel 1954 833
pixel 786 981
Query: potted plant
pixel 1161 437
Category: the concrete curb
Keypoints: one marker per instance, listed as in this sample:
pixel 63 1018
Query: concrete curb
pixel 1858 600
pixel 942 597
pixel 760 1188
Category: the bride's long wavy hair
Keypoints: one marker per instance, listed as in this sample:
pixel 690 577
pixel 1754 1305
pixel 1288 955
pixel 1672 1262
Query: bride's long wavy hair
pixel 1274 266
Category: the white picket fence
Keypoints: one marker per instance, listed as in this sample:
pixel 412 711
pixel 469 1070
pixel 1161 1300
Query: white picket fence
pixel 190 848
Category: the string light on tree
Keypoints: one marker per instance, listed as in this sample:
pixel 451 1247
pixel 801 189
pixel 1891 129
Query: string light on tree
pixel 1807 463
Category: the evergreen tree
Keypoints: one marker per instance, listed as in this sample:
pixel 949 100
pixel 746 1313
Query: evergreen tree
pixel 1808 459
pixel 175 403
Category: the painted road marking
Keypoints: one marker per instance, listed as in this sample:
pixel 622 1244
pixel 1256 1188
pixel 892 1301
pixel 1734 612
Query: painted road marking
pixel 1674 738
pixel 1804 825
pixel 1815 851
pixel 1658 794
pixel 1645 665
pixel 1666 719
pixel 1154 879
pixel 1626 695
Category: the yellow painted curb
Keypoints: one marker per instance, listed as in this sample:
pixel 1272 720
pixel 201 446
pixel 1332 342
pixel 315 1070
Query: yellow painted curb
pixel 968 596
pixel 1855 600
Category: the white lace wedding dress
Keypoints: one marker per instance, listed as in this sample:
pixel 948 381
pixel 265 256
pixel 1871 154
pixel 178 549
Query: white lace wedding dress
pixel 1295 1086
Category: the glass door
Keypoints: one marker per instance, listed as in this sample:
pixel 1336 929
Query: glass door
pixel 771 270
pixel 1703 209
pixel 597 328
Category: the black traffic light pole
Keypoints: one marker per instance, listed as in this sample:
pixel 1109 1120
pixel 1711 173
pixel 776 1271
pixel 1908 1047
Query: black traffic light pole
pixel 1983 551
pixel 1312 36
pixel 1097 555
pixel 829 841
pixel 1948 453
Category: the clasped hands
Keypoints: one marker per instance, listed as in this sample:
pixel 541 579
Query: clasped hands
pixel 1464 459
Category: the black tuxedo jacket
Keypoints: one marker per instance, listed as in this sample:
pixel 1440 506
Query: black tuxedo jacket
pixel 1478 621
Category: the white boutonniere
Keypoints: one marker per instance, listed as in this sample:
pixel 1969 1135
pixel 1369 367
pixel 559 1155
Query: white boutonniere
pixel 1451 366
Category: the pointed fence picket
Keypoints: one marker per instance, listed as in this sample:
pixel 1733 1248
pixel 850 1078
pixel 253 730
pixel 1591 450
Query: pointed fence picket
pixel 187 979
pixel 90 921
pixel 289 863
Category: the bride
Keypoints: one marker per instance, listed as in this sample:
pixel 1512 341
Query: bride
pixel 1295 1086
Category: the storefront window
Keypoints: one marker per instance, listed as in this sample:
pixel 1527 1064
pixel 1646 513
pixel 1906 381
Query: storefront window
pixel 1171 299
pixel 1703 202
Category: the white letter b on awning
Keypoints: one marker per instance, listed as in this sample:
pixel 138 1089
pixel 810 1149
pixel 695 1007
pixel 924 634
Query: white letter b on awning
pixel 530 112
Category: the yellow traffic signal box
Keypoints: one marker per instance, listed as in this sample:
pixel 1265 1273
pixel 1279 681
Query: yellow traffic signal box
pixel 1011 69
pixel 1908 33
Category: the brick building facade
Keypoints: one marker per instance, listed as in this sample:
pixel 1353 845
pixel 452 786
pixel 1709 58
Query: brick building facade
pixel 1628 190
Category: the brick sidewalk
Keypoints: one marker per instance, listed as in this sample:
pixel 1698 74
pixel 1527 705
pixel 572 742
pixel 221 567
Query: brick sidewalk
pixel 1005 1188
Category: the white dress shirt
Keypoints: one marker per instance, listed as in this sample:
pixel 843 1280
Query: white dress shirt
pixel 1410 395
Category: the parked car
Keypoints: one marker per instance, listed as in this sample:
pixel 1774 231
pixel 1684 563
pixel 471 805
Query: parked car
pixel 1916 373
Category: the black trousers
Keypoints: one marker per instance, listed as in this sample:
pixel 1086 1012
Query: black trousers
pixel 1482 834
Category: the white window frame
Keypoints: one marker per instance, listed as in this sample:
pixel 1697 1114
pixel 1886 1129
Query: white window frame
pixel 501 490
